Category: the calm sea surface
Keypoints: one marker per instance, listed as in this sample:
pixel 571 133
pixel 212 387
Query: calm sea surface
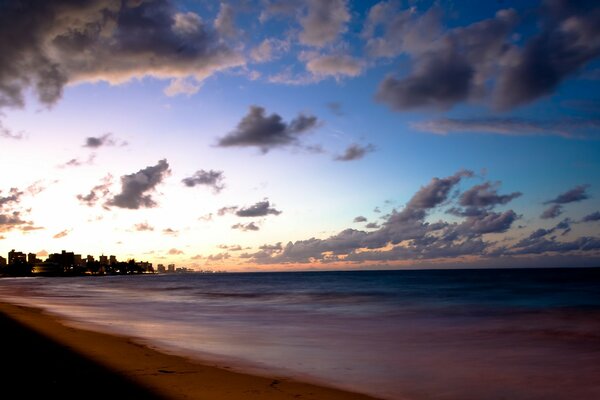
pixel 460 334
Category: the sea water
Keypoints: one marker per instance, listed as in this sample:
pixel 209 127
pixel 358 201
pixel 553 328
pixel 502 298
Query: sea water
pixel 453 334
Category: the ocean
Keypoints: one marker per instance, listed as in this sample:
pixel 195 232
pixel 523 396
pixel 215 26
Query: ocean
pixel 452 334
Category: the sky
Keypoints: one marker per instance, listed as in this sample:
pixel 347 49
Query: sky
pixel 302 134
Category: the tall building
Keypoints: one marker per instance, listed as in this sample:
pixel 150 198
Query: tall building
pixel 2 261
pixel 31 258
pixel 103 260
pixel 160 268
pixel 89 258
pixel 16 257
pixel 171 268
pixel 112 260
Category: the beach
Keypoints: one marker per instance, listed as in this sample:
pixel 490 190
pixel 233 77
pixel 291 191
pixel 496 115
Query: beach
pixel 43 356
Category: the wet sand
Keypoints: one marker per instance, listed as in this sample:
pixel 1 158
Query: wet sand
pixel 41 356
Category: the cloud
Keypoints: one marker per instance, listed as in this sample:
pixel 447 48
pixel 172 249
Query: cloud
pixel 42 253
pixel 595 216
pixel 218 257
pixel 211 178
pixel 267 132
pixel 233 247
pixel 76 162
pixel 143 227
pixel 324 22
pixel 169 231
pixel 355 152
pixel 175 252
pixel 226 210
pixel 485 195
pixel 552 212
pixel 61 234
pixel 251 226
pixel 360 218
pixel 567 42
pixel 135 187
pixel 568 127
pixel 98 192
pixel 451 68
pixel 185 86
pixel 335 65
pixel 12 211
pixel 7 133
pixel 269 49
pixel 260 209
pixel 390 31
pixel 225 21
pixel 59 42
pixel 480 60
pixel 372 225
pixel 105 140
pixel 578 193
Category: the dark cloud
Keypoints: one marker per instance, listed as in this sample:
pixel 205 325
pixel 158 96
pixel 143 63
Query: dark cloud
pixel 578 193
pixel 12 212
pixel 485 195
pixel 267 132
pixel 552 212
pixel 98 192
pixel 452 68
pixel 324 22
pixel 567 42
pixel 595 216
pixel 260 209
pixel 135 187
pixel 566 127
pixel 104 140
pixel 481 60
pixel 251 226
pixel 355 152
pixel 406 226
pixel 436 191
pixel 360 218
pixel 51 43
pixel 372 225
pixel 211 178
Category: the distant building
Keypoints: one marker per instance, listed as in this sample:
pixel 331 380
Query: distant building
pixel 16 257
pixel 161 269
pixel 171 268
pixel 89 258
pixel 31 258
pixel 78 260
pixel 112 260
pixel 3 262
pixel 103 260
pixel 145 266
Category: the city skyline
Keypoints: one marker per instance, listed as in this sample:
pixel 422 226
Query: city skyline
pixel 299 135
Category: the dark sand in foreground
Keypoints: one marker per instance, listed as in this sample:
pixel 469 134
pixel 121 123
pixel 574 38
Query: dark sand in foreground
pixel 40 356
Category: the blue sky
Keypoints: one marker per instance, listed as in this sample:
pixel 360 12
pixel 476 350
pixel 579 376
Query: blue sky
pixel 450 126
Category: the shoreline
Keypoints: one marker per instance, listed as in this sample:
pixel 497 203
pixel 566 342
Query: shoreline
pixel 151 371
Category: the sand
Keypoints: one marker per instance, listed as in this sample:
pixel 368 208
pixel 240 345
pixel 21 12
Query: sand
pixel 40 355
